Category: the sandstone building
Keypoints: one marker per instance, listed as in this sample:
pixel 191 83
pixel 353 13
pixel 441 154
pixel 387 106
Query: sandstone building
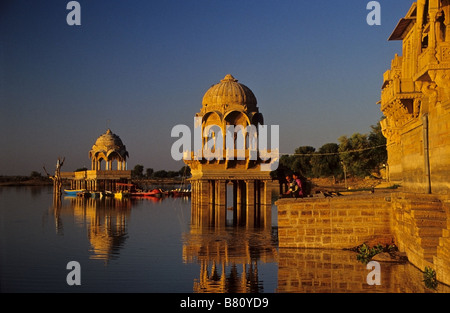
pixel 229 103
pixel 415 100
pixel 108 148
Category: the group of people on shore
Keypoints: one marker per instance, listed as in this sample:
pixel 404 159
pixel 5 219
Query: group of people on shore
pixel 295 187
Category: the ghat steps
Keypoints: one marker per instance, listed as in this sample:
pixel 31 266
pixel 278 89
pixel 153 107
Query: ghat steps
pixel 429 220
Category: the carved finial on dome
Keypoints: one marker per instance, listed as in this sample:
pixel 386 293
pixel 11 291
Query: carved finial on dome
pixel 229 78
pixel 108 131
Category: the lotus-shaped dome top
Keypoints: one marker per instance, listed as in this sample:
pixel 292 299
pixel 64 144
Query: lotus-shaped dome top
pixel 228 93
pixel 109 143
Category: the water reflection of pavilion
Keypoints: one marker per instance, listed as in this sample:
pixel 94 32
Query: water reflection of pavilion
pixel 229 258
pixel 105 220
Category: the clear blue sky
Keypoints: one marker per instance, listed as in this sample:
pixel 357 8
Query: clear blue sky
pixel 142 67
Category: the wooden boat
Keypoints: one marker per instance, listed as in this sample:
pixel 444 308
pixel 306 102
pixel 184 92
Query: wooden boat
pixel 73 192
pixel 151 193
pixel 180 192
pixel 84 193
pixel 121 194
pixel 108 193
pixel 96 194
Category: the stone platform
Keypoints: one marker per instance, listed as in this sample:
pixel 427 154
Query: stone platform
pixel 419 224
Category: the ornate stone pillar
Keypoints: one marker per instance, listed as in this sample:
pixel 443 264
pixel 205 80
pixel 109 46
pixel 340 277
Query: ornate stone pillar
pixel 447 23
pixel 240 201
pixel 203 205
pixel 235 205
pixel 266 205
pixel 250 203
pixel 213 191
pixel 432 34
pixel 220 204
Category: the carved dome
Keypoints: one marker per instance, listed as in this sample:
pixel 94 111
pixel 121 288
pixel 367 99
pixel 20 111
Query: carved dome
pixel 108 144
pixel 227 95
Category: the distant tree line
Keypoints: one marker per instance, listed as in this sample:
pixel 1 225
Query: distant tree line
pixel 136 173
pixel 150 173
pixel 359 156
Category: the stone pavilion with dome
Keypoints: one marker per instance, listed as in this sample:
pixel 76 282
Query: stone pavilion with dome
pixel 108 166
pixel 229 103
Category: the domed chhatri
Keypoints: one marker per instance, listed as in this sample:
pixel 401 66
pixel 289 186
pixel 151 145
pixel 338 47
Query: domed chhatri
pixel 230 103
pixel 109 143
pixel 229 95
pixel 229 120
pixel 108 147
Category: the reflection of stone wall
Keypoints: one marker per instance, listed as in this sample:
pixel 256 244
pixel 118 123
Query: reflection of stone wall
pixel 327 270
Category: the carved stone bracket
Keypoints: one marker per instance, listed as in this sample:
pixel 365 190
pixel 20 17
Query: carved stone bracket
pixel 442 79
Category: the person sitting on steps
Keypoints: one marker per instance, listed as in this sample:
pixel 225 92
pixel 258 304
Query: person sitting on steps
pixel 293 188
pixel 297 179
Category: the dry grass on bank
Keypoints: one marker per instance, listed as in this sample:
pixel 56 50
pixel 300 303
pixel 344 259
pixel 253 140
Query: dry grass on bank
pixel 353 183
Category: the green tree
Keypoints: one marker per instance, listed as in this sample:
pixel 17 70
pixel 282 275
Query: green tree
pixel 378 155
pixel 327 162
pixel 149 172
pixel 185 171
pixel 301 161
pixel 355 155
pixel 35 175
pixel 160 174
pixel 286 162
pixel 138 171
pixel 173 174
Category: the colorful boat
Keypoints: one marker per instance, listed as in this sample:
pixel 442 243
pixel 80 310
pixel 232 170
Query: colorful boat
pixel 180 192
pixel 121 194
pixel 73 192
pixel 151 193
pixel 108 193
pixel 96 194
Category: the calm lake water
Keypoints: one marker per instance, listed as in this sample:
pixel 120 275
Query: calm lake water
pixel 147 245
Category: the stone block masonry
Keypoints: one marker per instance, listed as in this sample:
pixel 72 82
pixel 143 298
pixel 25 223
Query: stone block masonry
pixel 421 228
pixel 338 223
pixel 419 224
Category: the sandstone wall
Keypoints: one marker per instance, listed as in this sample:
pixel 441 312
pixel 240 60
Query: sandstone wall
pixel 439 143
pixel 337 223
pixel 419 224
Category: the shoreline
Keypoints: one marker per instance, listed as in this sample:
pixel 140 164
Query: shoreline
pixel 15 181
pixel 318 183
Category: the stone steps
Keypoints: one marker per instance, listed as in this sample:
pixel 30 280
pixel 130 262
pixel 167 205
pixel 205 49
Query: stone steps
pixel 425 205
pixel 425 222
pixel 429 242
pixel 429 214
pixel 429 231
pixel 430 220
pixel 429 246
